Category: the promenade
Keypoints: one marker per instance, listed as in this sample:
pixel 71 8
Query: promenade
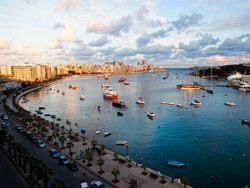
pixel 127 172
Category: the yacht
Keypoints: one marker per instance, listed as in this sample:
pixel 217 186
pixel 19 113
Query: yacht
pixel 82 97
pixel 195 103
pixel 150 113
pixel 230 104
pixel 140 101
pixel 110 94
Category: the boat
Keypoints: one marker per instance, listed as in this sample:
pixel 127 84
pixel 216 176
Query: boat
pixel 121 142
pixel 150 113
pixel 126 83
pixel 106 77
pixel 83 130
pixel 119 103
pixel 99 108
pixel 195 103
pixel 68 122
pixel 46 114
pixel 179 105
pixel 41 108
pixel 163 102
pixel 58 119
pixel 122 79
pixel 190 86
pixel 245 121
pixel 110 94
pixel 105 85
pixel 63 93
pixel 119 113
pixel 70 86
pixel 82 97
pixel 58 91
pixel 177 76
pixel 166 76
pixel 153 76
pixel 176 163
pixel 99 76
pixel 170 103
pixel 107 134
pixel 97 132
pixel 76 124
pixel 230 104
pixel 242 89
pixel 39 112
pixel 140 101
pixel 53 116
pixel 74 86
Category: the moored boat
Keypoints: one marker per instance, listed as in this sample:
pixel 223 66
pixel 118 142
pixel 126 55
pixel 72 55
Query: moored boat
pixel 122 79
pixel 163 102
pixel 63 93
pixel 83 130
pixel 179 105
pixel 245 121
pixel 150 113
pixel 53 116
pixel 119 103
pixel 140 101
pixel 121 142
pixel 230 104
pixel 119 113
pixel 105 85
pixel 107 134
pixel 97 132
pixel 170 103
pixel 176 163
pixel 46 114
pixel 68 122
pixel 82 97
pixel 99 108
pixel 110 94
pixel 99 76
pixel 70 86
pixel 74 86
pixel 195 103
pixel 39 112
pixel 126 83
pixel 41 108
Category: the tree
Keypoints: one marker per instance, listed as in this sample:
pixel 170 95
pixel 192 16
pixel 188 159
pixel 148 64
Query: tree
pixel 89 157
pixel 63 128
pixel 103 147
pixel 76 135
pixel 163 178
pixel 47 172
pixel 62 139
pixel 100 162
pixel 185 180
pixel 144 166
pixel 59 183
pixel 26 158
pixel 115 172
pixel 129 160
pixel 133 183
pixel 94 143
pixel 10 140
pixel 115 155
pixel 70 145
pixel 84 140
pixel 3 134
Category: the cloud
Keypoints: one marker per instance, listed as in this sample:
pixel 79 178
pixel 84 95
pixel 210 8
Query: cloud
pixel 100 42
pixel 58 25
pixel 142 12
pixel 4 43
pixel 24 51
pixel 143 40
pixel 67 35
pixel 115 27
pixel 159 34
pixel 186 21
pixel 53 45
pixel 67 5
pixel 83 52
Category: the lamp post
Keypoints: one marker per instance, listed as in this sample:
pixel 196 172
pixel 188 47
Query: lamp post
pixel 127 146
pixel 177 176
pixel 54 129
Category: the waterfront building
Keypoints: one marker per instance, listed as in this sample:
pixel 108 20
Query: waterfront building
pixel 25 71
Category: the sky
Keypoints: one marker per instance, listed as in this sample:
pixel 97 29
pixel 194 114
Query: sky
pixel 168 33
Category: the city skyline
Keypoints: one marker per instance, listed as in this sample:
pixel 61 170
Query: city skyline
pixel 169 34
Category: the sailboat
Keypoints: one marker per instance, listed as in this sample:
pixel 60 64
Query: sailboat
pixel 210 89
pixel 190 86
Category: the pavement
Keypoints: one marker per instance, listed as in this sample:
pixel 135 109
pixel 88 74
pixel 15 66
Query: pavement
pixel 126 173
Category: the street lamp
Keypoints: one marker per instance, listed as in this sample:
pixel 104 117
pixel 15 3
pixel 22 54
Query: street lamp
pixel 54 129
pixel 177 176
pixel 127 146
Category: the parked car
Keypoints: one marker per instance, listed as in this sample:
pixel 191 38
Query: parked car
pixel 5 117
pixel 5 125
pixel 54 153
pixel 97 184
pixel 63 160
pixel 72 166
pixel 40 144
pixel 18 127
pixel 34 139
pixel 84 185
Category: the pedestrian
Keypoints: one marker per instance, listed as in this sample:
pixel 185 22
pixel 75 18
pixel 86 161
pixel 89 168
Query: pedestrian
pixel 172 180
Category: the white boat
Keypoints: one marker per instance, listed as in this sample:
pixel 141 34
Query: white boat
pixel 105 85
pixel 121 142
pixel 126 83
pixel 195 103
pixel 82 97
pixel 150 113
pixel 140 101
pixel 179 105
pixel 230 104
pixel 107 134
pixel 109 93
pixel 242 89
pixel 97 132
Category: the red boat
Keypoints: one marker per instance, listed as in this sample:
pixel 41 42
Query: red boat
pixel 106 77
pixel 110 94
pixel 74 86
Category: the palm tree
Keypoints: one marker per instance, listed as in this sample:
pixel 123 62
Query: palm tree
pixel 47 172
pixel 26 158
pixel 163 178
pixel 59 183
pixel 39 126
pixel 62 139
pixel 185 180
pixel 89 157
pixel 94 143
pixel 103 147
pixel 76 135
pixel 63 128
pixel 115 172
pixel 129 160
pixel 57 127
pixel 3 134
pixel 133 183
pixel 70 145
pixel 115 156
pixel 84 140
pixel 39 174
pixel 100 162
pixel 144 166
pixel 10 140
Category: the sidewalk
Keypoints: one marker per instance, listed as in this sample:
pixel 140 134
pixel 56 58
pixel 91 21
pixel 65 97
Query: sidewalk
pixel 150 179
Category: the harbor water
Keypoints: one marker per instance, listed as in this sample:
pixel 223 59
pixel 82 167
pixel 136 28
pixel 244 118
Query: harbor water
pixel 209 139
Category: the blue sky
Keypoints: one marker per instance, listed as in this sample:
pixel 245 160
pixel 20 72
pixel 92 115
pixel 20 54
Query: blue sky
pixel 178 33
